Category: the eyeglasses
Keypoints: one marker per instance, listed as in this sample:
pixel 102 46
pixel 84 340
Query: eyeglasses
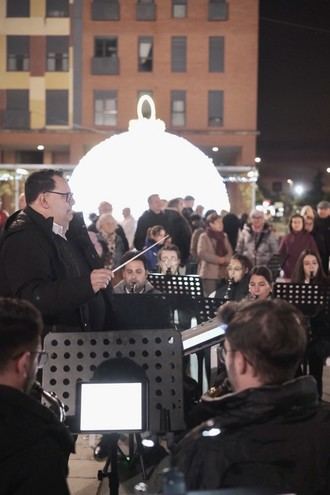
pixel 68 195
pixel 41 358
pixel 222 352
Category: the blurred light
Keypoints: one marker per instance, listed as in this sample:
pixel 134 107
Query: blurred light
pixel 213 432
pixel 299 189
pixel 148 442
pixel 328 170
pixel 128 167
pixel 290 182
pixel 215 148
pixel 257 159
pixel 40 147
pixel 22 171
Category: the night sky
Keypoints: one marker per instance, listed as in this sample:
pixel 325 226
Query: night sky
pixel 294 80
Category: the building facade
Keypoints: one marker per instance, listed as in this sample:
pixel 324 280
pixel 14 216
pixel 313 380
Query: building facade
pixel 72 72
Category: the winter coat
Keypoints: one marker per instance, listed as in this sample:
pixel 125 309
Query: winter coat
pixel 146 220
pixel 52 273
pixel 275 437
pixel 180 231
pixel 258 247
pixel 34 448
pixel 291 247
pixel 209 267
pixel 232 291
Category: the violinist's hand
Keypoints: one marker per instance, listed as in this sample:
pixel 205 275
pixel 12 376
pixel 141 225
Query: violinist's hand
pixel 100 278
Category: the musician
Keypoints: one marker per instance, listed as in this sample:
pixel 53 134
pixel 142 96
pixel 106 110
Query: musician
pixel 235 287
pixel 169 259
pixel 309 270
pixel 35 446
pixel 135 276
pixel 260 283
pixel 262 435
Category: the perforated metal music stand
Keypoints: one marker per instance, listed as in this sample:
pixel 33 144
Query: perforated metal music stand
pixel 185 285
pixel 309 298
pixel 74 357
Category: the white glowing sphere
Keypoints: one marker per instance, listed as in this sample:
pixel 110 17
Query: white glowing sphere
pixel 127 168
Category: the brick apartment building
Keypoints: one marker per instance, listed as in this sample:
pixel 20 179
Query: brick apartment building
pixel 72 72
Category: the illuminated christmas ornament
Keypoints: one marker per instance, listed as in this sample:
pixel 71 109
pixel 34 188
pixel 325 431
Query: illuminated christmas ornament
pixel 127 168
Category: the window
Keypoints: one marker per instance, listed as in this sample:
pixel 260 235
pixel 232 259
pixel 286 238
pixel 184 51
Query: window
pixel 57 53
pixel 178 108
pixel 216 54
pixel 146 110
pixel 57 8
pixel 215 108
pixel 145 10
pixel 218 10
pixel 179 8
pixel 56 107
pixel 18 53
pixel 105 10
pixel 105 108
pixel 18 8
pixel 179 54
pixel 105 59
pixel 17 109
pixel 145 54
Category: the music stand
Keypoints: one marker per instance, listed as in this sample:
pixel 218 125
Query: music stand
pixel 309 298
pixel 74 357
pixel 185 285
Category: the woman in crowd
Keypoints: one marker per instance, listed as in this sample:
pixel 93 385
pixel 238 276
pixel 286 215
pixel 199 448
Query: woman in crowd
pixel 294 243
pixel 214 252
pixel 260 283
pixel 154 234
pixel 112 244
pixel 308 270
pixel 236 286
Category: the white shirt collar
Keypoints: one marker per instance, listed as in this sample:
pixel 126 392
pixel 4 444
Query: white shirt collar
pixel 59 230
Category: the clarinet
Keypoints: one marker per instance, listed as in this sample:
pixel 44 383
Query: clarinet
pixel 228 294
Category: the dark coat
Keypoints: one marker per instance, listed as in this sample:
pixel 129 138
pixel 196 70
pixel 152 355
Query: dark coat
pixel 32 267
pixel 232 291
pixel 321 234
pixel 273 436
pixel 180 232
pixel 148 219
pixel 291 247
pixel 34 447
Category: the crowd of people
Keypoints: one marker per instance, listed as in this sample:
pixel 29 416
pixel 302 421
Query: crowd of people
pixel 57 274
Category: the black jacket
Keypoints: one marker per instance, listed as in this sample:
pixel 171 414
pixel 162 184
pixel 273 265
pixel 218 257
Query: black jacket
pixel 232 291
pixel 34 447
pixel 274 437
pixel 32 267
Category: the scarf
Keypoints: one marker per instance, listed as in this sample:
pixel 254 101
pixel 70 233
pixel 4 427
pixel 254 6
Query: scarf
pixel 219 237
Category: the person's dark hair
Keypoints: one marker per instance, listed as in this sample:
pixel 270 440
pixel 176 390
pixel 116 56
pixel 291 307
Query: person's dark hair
pixel 270 333
pixel 20 328
pixel 296 215
pixel 262 271
pixel 169 247
pixel 298 275
pixel 39 182
pixel 212 218
pixel 209 212
pixel 131 254
pixel 244 261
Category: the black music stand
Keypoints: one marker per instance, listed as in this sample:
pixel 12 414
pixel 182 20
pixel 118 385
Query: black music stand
pixel 185 285
pixel 309 298
pixel 74 357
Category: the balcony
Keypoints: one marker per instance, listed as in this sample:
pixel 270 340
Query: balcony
pixel 105 11
pixel 145 12
pixel 218 11
pixel 16 119
pixel 105 65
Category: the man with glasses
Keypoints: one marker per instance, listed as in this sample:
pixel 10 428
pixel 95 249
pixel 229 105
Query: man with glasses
pixel 46 257
pixel 269 431
pixel 34 446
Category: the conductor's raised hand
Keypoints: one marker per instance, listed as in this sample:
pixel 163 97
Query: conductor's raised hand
pixel 100 278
